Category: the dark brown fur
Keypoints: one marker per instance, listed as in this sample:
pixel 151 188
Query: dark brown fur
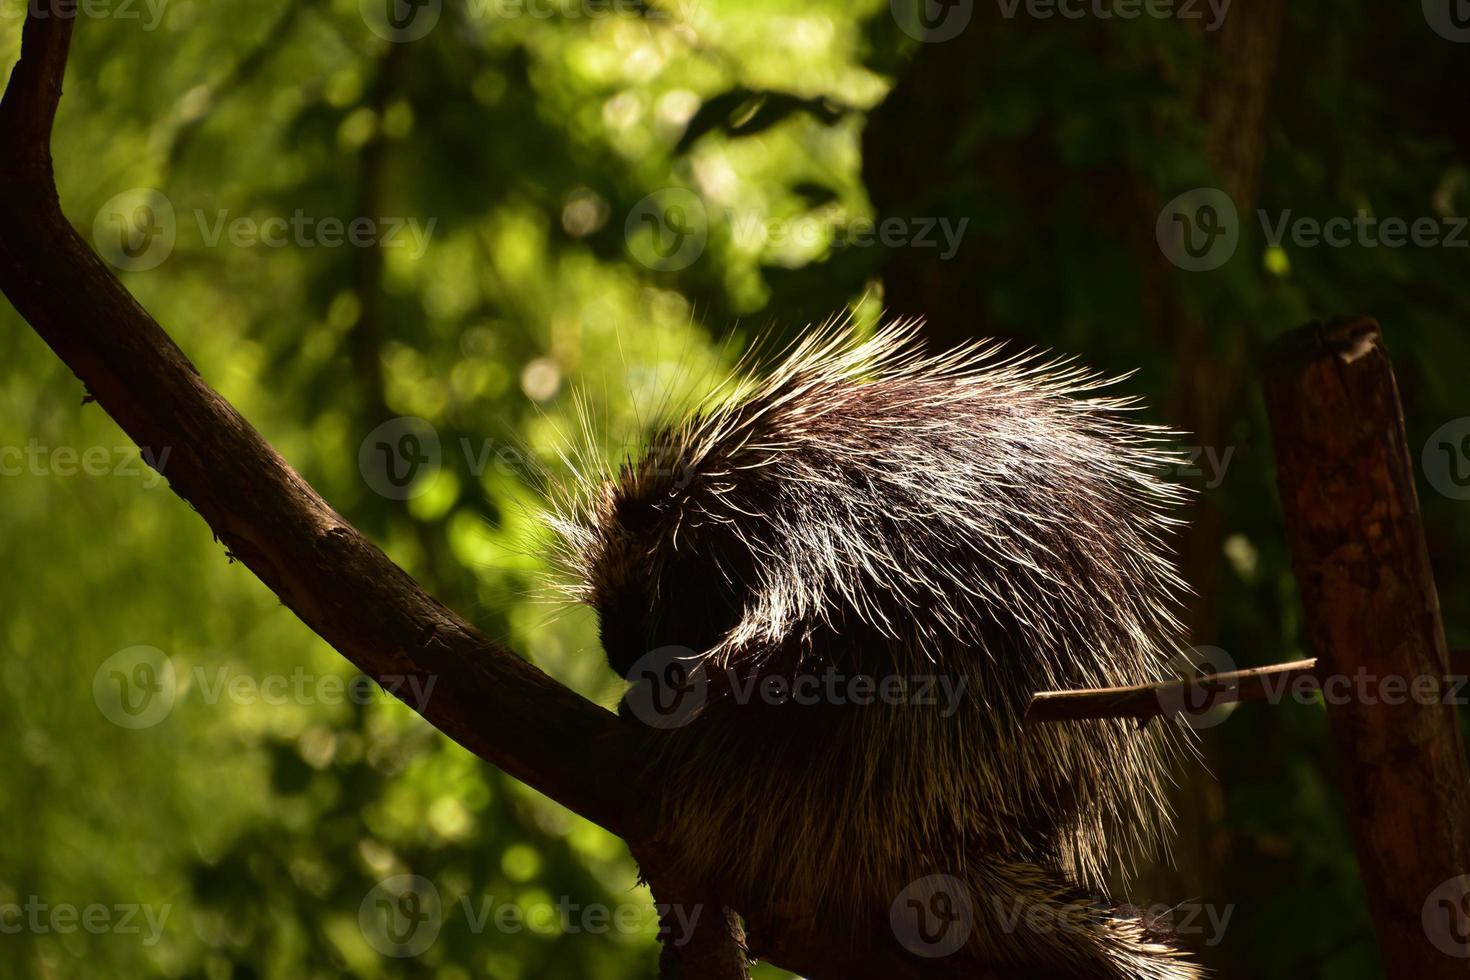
pixel 865 510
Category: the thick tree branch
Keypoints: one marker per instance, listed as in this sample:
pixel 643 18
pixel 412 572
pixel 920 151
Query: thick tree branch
pixel 36 79
pixel 1362 564
pixel 702 940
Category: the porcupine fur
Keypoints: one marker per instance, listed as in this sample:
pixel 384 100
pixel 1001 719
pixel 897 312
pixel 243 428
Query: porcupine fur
pixel 871 510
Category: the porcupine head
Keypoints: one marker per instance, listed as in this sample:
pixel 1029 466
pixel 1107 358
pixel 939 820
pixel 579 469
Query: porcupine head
pixel 836 585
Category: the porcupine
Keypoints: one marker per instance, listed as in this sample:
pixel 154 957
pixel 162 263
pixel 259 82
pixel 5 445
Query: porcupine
pixel 867 510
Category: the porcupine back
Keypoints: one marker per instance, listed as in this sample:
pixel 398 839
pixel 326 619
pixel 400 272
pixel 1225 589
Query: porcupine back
pixel 868 510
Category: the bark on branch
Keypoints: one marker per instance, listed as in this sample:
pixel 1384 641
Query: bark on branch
pixel 1359 554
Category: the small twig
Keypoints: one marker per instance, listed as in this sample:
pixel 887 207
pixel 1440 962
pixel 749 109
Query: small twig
pixel 1187 696
pixel 1168 698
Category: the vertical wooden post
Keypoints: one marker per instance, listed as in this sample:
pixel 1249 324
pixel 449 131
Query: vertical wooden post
pixel 1357 544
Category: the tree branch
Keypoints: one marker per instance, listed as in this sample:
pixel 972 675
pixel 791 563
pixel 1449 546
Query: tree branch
pixel 1362 564
pixel 1168 698
pixel 702 940
pixel 1191 695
